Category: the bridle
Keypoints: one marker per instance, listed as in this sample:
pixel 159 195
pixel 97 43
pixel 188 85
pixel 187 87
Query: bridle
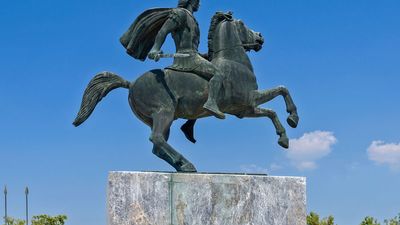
pixel 235 46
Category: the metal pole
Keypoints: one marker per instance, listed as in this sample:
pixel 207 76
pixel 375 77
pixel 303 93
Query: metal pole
pixel 5 205
pixel 26 198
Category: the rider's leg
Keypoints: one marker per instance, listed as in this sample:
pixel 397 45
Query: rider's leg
pixel 208 70
pixel 214 86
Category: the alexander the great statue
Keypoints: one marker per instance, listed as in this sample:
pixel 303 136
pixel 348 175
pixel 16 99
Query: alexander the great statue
pixel 194 87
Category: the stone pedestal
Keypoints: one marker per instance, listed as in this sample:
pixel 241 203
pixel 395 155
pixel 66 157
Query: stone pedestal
pixel 156 198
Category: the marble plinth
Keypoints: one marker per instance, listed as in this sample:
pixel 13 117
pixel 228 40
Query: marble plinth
pixel 157 198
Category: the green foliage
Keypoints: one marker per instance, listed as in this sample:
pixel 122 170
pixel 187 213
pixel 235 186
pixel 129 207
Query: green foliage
pixel 49 220
pixel 328 221
pixel 12 221
pixel 313 219
pixel 369 221
pixel 393 221
pixel 39 220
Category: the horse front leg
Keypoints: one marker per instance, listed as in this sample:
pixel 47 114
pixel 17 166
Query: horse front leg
pixel 280 130
pixel 261 97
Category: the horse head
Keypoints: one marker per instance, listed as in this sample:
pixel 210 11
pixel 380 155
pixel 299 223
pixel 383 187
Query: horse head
pixel 250 39
pixel 227 33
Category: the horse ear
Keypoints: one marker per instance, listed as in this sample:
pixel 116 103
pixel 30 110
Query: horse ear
pixel 229 15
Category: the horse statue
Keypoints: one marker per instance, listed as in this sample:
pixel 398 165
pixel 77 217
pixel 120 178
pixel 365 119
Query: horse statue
pixel 160 96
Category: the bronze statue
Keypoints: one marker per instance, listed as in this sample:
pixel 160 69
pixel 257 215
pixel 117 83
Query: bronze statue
pixel 160 96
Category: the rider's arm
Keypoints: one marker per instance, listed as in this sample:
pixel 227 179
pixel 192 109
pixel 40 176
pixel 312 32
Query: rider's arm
pixel 168 27
pixel 173 22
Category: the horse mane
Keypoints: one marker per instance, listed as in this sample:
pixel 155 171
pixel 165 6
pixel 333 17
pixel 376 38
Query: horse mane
pixel 215 21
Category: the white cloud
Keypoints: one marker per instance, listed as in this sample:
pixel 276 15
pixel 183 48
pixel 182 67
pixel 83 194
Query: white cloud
pixel 353 166
pixel 382 153
pixel 306 150
pixel 305 165
pixel 275 166
pixel 252 168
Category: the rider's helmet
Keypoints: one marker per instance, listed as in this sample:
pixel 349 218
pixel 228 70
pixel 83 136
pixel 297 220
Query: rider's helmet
pixel 185 3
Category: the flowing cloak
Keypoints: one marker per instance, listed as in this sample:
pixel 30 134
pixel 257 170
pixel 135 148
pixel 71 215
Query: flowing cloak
pixel 140 37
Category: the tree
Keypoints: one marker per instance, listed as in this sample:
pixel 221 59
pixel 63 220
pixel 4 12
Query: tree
pixel 369 221
pixel 328 221
pixel 12 221
pixel 313 219
pixel 48 220
pixel 393 221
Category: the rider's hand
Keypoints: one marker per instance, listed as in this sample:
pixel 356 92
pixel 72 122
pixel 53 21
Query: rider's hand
pixel 155 55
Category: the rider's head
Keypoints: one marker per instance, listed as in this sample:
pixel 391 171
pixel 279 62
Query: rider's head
pixel 195 4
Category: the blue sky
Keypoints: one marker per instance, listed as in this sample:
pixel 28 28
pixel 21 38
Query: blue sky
pixel 340 60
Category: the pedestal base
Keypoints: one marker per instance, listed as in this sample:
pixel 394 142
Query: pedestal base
pixel 156 198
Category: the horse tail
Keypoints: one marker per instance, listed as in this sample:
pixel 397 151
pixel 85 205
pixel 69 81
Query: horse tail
pixel 96 90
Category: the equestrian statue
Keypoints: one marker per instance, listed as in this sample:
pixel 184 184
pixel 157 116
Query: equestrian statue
pixel 195 85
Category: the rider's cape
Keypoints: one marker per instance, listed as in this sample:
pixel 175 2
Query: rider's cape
pixel 140 37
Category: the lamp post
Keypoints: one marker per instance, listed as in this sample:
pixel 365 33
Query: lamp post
pixel 26 201
pixel 5 205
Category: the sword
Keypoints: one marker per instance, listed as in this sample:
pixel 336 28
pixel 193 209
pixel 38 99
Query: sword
pixel 176 55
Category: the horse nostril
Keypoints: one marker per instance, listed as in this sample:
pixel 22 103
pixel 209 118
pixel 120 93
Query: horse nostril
pixel 260 38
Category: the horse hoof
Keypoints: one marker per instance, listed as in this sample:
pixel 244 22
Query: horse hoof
pixel 284 142
pixel 293 120
pixel 187 168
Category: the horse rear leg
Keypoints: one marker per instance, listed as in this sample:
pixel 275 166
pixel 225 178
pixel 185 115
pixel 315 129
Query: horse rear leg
pixel 280 130
pixel 160 131
pixel 261 97
pixel 188 130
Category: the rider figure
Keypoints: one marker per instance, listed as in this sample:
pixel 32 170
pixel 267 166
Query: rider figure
pixel 186 34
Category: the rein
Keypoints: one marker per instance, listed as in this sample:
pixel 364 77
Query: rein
pixel 233 47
